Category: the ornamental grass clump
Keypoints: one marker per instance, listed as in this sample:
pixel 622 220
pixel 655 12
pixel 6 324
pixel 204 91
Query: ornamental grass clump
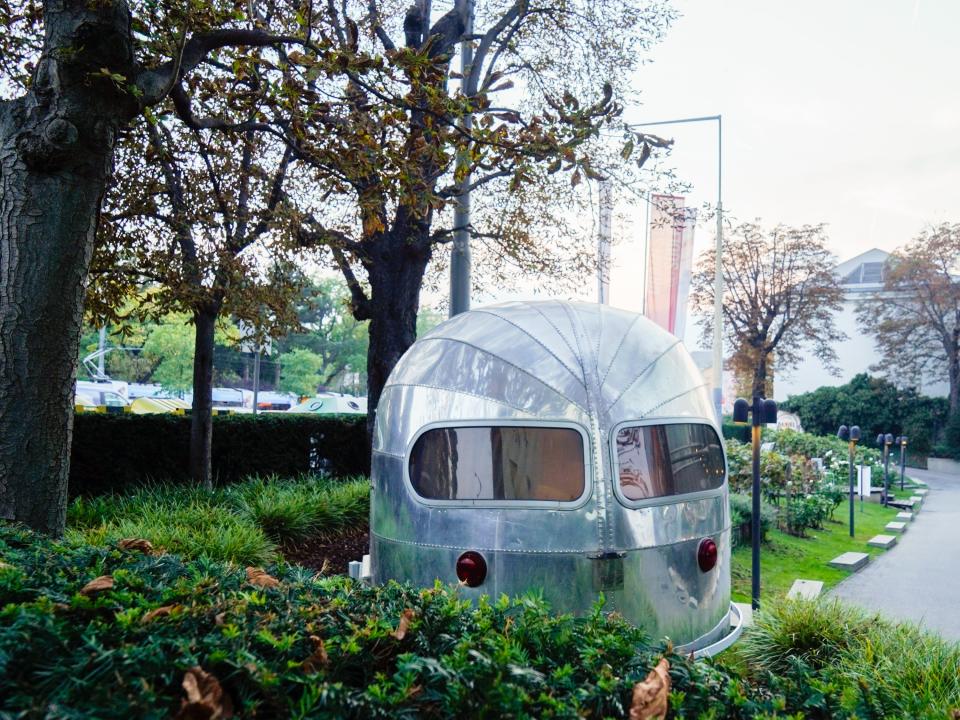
pixel 243 524
pixel 290 511
pixel 838 661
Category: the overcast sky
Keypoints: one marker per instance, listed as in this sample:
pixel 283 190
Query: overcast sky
pixel 844 112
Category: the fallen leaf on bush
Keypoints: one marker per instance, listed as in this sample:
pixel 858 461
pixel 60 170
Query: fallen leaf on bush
pixel 257 576
pixel 158 612
pixel 219 618
pixel 406 617
pixel 136 544
pixel 319 657
pixel 650 696
pixel 205 699
pixel 955 714
pixel 104 582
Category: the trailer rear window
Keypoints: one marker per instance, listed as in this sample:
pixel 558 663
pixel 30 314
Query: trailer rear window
pixel 672 459
pixel 498 463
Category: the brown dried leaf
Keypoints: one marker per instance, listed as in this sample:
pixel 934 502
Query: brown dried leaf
pixel 205 699
pixel 136 544
pixel 319 657
pixel 219 618
pixel 104 582
pixel 158 612
pixel 257 576
pixel 406 617
pixel 650 696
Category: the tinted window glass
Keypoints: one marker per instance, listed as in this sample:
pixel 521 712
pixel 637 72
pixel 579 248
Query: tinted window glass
pixel 498 463
pixel 659 460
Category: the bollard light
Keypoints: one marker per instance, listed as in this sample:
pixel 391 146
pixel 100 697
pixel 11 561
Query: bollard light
pixel 852 436
pixel 760 412
pixel 902 442
pixel 886 440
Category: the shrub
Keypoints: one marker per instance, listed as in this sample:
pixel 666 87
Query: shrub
pixel 875 404
pixel 313 646
pixel 113 452
pixel 741 515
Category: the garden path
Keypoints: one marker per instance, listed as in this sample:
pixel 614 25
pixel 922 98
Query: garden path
pixel 919 579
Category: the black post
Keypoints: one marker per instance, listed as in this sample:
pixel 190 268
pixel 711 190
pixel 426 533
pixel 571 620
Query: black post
pixel 903 460
pixel 755 524
pixel 851 488
pixel 888 439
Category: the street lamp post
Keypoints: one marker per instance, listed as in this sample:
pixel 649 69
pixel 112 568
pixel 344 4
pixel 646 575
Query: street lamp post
pixel 460 261
pixel 718 267
pixel 761 412
pixel 886 441
pixel 902 442
pixel 852 435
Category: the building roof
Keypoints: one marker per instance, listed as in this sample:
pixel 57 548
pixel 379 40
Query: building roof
pixel 863 272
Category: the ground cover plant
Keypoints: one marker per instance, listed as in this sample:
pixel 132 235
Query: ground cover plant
pixel 123 631
pixel 117 631
pixel 855 662
pixel 245 523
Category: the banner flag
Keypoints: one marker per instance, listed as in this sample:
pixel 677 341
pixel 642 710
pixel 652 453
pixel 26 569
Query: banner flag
pixel 669 262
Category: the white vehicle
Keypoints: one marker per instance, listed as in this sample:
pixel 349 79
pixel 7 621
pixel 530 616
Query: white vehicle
pixel 112 393
pixel 332 404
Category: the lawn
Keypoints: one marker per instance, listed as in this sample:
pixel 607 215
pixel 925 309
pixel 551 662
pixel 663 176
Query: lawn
pixel 785 558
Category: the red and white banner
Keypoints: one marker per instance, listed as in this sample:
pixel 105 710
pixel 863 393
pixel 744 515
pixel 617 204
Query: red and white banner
pixel 669 262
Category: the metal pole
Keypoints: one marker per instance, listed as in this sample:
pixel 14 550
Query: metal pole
pixel 718 284
pixel 604 238
pixel 886 473
pixel 903 463
pixel 256 379
pixel 460 254
pixel 101 347
pixel 755 518
pixel 851 489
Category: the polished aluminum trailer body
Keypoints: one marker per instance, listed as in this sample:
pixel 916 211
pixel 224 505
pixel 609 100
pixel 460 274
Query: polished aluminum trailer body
pixel 594 372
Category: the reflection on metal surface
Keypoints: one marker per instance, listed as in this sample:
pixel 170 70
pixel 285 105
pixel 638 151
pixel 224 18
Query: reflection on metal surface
pixel 672 459
pixel 540 365
pixel 498 462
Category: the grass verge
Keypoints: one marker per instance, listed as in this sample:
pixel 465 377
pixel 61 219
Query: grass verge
pixel 785 558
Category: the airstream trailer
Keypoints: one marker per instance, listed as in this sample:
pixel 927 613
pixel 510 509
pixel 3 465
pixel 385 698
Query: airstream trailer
pixel 561 447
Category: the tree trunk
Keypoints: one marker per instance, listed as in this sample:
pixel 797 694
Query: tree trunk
pixel 201 418
pixel 759 387
pixel 395 281
pixel 56 147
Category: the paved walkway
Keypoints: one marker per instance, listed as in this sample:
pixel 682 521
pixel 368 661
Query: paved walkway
pixel 919 579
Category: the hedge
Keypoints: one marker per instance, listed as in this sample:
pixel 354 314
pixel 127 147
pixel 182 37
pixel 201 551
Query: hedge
pixel 111 452
pixel 735 431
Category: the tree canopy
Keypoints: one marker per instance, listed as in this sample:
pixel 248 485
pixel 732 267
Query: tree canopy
pixel 916 318
pixel 780 295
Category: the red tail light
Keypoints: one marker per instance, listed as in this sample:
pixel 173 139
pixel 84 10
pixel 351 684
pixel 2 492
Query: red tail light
pixel 707 555
pixel 471 568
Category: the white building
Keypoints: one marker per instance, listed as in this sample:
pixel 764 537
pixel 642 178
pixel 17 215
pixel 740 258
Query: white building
pixel 861 278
